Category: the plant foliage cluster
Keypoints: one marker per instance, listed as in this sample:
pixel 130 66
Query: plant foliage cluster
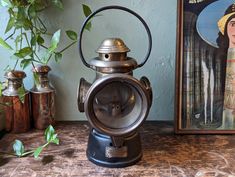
pixel 28 32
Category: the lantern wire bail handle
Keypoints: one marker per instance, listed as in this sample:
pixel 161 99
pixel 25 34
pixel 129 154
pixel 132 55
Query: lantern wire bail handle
pixel 119 8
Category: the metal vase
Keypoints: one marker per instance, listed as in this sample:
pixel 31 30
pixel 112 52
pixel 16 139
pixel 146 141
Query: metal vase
pixel 42 98
pixel 2 117
pixel 17 113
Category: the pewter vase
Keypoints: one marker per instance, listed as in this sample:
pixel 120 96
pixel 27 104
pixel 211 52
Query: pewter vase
pixel 42 98
pixel 17 113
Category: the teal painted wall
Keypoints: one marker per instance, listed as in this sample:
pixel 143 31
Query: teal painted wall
pixel 160 16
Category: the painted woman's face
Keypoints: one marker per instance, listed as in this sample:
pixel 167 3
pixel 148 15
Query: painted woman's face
pixel 231 33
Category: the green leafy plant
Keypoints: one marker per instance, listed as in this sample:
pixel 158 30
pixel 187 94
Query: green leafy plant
pixel 19 149
pixel 87 11
pixel 28 33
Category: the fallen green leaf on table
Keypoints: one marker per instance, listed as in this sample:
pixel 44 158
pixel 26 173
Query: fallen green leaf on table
pixel 37 151
pixel 50 137
pixel 18 148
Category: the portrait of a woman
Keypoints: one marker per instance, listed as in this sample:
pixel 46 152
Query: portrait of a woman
pixel 226 43
pixel 208 91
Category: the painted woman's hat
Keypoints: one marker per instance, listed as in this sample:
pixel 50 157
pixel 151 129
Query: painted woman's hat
pixel 228 13
pixel 212 20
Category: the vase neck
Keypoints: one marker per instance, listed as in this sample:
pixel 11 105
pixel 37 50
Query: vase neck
pixel 14 82
pixel 43 79
pixel 43 83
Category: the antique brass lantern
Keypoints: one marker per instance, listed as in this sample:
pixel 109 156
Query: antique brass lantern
pixel 116 104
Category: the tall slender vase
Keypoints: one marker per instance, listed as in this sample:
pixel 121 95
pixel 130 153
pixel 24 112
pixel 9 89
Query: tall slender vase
pixel 42 98
pixel 17 113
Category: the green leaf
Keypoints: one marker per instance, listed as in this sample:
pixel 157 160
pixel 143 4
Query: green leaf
pixel 0 89
pixel 36 78
pixel 88 26
pixel 21 93
pixel 4 44
pixel 31 1
pixel 37 151
pixel 54 136
pixel 46 57
pixel 17 40
pixel 33 40
pixel 24 52
pixel 58 57
pixel 54 41
pixel 86 10
pixel 56 141
pixel 40 5
pixel 25 62
pixel 37 39
pixel 22 20
pixel 72 35
pixel 32 12
pixel 49 133
pixel 10 24
pixel 27 24
pixel 5 3
pixel 40 40
pixel 18 148
pixel 58 3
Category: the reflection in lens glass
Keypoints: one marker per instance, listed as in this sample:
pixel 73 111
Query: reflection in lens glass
pixel 117 105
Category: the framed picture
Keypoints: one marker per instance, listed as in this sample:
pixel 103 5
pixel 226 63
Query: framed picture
pixel 205 67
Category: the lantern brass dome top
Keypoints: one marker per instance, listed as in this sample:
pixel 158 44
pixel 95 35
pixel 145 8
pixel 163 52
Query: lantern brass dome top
pixel 112 45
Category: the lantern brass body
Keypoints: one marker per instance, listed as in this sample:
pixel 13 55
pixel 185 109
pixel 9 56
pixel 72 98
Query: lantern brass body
pixel 116 104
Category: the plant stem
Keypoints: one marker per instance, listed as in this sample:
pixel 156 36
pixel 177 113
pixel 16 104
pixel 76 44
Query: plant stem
pixel 42 25
pixel 48 59
pixel 10 35
pixel 33 65
pixel 43 46
pixel 26 153
pixel 26 39
pixel 45 144
pixel 37 56
pixel 16 64
pixel 68 46
pixel 32 151
pixel 21 41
